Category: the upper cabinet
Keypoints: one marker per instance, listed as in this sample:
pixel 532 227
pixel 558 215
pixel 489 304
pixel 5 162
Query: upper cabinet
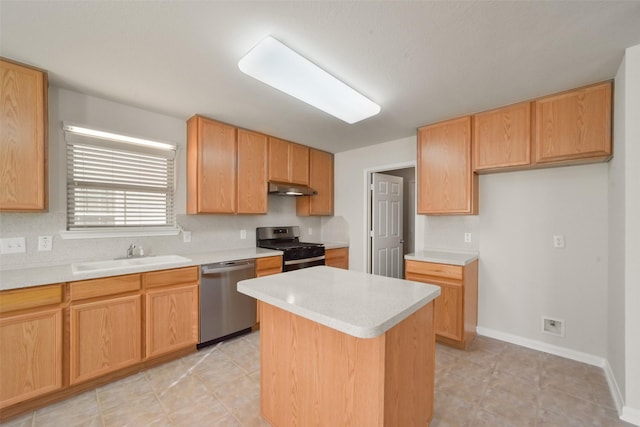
pixel 321 180
pixel 446 182
pixel 23 141
pixel 252 172
pixel 226 168
pixel 574 125
pixel 288 162
pixel 502 138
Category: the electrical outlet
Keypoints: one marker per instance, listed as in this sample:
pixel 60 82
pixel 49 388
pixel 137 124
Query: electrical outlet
pixel 243 234
pixel 45 243
pixel 186 236
pixel 467 237
pixel 558 241
pixel 12 245
pixel 310 231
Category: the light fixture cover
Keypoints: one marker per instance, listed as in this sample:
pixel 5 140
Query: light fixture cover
pixel 275 64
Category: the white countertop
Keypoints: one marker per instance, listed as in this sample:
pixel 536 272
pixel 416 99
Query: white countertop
pixel 35 276
pixel 441 256
pixel 358 304
pixel 335 245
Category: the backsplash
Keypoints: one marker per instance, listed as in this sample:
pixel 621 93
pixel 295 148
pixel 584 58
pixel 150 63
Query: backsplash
pixel 208 233
pixel 448 232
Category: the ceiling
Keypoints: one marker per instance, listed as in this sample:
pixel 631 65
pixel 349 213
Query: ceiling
pixel 422 61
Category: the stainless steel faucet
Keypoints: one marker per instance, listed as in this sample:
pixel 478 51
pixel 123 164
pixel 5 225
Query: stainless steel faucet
pixel 130 250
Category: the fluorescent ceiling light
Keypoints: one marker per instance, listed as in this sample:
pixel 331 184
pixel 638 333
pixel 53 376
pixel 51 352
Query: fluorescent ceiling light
pixel 80 130
pixel 275 64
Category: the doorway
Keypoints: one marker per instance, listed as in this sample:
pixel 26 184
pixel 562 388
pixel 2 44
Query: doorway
pixel 382 256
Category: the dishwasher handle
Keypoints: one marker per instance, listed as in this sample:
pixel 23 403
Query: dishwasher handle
pixel 226 268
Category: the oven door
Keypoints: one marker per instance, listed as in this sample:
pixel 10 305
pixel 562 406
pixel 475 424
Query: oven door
pixel 297 264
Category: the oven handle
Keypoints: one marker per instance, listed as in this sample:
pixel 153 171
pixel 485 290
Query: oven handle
pixel 302 261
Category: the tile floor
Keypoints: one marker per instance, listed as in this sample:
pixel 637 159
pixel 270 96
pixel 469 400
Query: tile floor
pixel 492 384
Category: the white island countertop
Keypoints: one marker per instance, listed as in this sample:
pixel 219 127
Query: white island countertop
pixel 357 304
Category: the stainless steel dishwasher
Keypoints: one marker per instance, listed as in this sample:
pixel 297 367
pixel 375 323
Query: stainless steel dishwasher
pixel 224 311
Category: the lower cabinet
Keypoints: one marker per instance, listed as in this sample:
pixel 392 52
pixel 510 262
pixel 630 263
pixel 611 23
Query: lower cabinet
pixel 338 257
pixel 105 336
pixel 267 266
pixel 171 310
pixel 31 355
pixel 456 309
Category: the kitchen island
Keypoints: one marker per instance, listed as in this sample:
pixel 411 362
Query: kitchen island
pixel 339 347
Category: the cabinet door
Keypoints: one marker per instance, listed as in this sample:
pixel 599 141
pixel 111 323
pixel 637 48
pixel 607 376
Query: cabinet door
pixel 502 137
pixel 31 355
pixel 105 336
pixel 278 160
pixel 23 138
pixel 574 125
pixel 211 164
pixel 252 173
pixel 446 183
pixel 171 319
pixel 448 311
pixel 321 180
pixel 338 258
pixel 298 164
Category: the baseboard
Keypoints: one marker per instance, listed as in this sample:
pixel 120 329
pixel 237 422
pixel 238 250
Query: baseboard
pixel 545 347
pixel 627 414
pixel 630 415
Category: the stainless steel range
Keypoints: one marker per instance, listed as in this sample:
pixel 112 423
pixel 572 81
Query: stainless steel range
pixel 296 254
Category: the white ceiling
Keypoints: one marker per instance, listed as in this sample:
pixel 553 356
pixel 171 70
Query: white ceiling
pixel 422 61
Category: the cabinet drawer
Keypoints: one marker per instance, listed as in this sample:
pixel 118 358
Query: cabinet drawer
pixel 21 299
pixel 268 265
pixel 434 269
pixel 101 287
pixel 170 277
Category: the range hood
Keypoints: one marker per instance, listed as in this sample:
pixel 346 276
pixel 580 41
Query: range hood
pixel 290 190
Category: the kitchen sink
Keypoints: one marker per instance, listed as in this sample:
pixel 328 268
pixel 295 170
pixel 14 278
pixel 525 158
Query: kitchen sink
pixel 115 264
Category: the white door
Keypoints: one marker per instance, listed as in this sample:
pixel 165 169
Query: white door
pixel 386 224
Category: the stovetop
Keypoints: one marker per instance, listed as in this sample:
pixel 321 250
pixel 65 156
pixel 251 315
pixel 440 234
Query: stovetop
pixel 283 246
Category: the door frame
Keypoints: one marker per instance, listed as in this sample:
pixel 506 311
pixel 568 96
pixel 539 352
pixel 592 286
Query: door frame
pixel 367 177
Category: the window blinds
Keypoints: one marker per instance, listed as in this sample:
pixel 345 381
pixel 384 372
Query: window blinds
pixel 118 185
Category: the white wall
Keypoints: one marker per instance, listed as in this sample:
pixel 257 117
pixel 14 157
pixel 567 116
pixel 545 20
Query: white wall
pixel 523 277
pixel 623 327
pixel 209 232
pixel 632 243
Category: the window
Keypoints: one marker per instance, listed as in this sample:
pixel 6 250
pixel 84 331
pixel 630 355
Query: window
pixel 118 183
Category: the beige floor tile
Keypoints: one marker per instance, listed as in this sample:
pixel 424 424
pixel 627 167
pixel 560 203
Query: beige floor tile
pixel 70 412
pixel 141 412
pixel 492 384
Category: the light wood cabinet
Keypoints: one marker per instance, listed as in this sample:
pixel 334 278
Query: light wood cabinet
pixel 337 257
pixel 31 343
pixel 171 310
pixel 252 172
pixel 105 321
pixel 446 182
pixel 288 162
pixel 502 138
pixel 211 166
pixel 23 138
pixel 456 309
pixel 321 180
pixel 267 266
pixel 574 125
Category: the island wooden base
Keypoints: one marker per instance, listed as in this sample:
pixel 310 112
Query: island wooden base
pixel 313 375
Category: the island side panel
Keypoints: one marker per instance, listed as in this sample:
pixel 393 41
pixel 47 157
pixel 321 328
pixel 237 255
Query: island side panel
pixel 312 375
pixel 410 370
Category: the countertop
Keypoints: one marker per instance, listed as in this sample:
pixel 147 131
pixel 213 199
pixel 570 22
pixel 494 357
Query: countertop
pixel 335 245
pixel 441 256
pixel 355 303
pixel 36 276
